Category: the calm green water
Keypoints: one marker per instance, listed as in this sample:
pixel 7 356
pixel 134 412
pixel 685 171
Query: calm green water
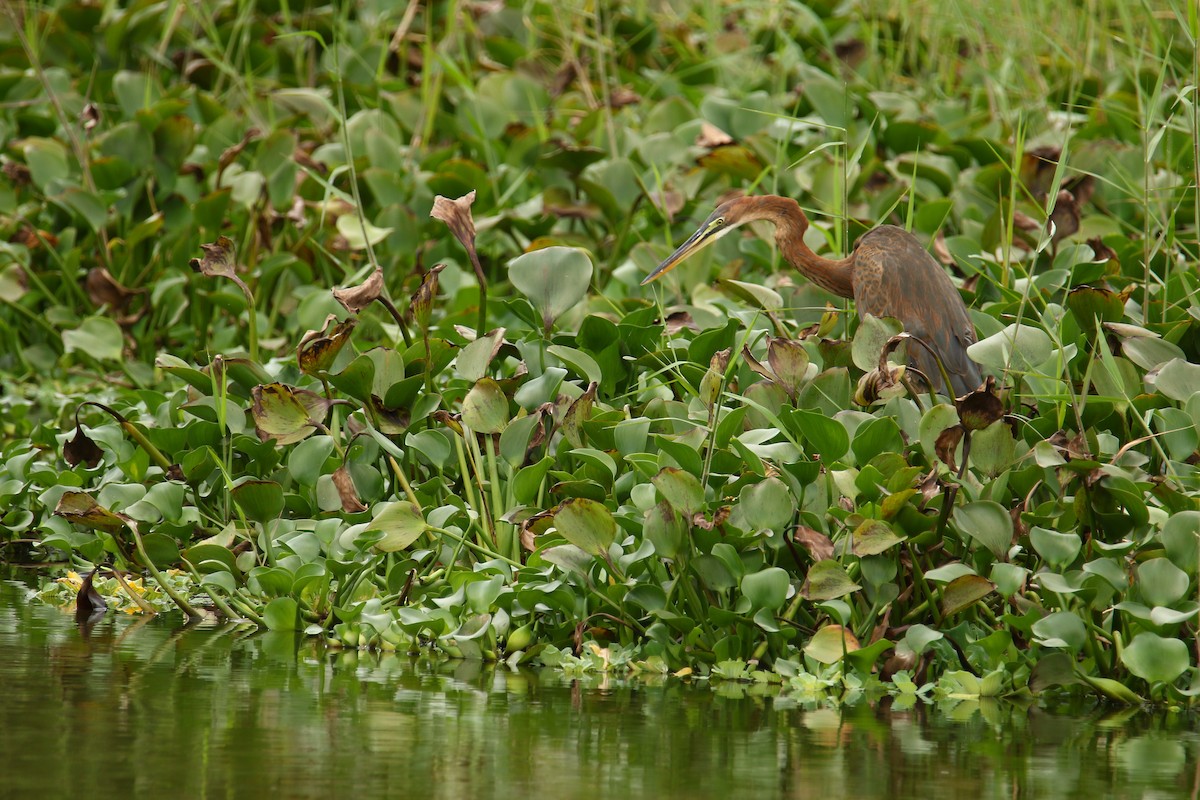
pixel 143 708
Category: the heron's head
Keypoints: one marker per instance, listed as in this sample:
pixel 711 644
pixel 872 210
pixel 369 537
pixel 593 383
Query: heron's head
pixel 725 218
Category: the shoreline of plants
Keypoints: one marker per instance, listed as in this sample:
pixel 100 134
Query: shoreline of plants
pixel 281 376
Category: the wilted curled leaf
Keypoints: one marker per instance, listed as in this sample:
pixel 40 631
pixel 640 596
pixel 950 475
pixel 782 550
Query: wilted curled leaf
pixel 318 349
pixel 87 600
pixel 356 298
pixel 103 289
pixel 789 362
pixel 577 414
pixel 285 413
pixel 351 504
pixel 980 408
pixel 220 261
pixel 82 509
pixel 457 216
pixel 81 449
pixel 422 300
pixel 947 443
pixel 90 117
pixel 880 385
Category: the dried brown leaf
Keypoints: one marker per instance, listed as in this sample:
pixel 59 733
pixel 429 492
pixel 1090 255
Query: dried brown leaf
pixel 344 484
pixel 318 349
pixel 356 298
pixel 947 443
pixel 230 154
pixel 818 545
pixel 711 136
pixel 980 408
pixel 89 117
pixel 104 290
pixel 457 216
pixel 82 450
pixel 421 306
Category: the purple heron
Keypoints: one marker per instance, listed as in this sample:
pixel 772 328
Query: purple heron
pixel 889 274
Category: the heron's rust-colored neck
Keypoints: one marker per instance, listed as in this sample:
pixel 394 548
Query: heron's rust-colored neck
pixel 834 275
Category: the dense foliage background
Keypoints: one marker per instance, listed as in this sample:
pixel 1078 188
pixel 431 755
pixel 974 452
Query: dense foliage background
pixel 492 439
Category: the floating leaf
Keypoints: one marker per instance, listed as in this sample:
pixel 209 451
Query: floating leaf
pixel 286 414
pixel 873 537
pixel 485 408
pixel 1156 658
pixel 261 501
pixel 1058 549
pixel 768 504
pixel 586 524
pixel 554 279
pixel 988 523
pixel 1022 346
pixel 827 580
pixel 682 490
pixel 473 360
pixel 82 509
pixel 789 361
pixel 401 524
pixel 579 413
pixel 766 588
pixel 963 592
pixel 1161 582
pixel 830 644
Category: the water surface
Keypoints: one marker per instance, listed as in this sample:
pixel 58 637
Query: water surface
pixel 147 708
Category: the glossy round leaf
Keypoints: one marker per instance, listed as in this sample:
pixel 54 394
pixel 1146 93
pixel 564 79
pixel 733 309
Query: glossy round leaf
pixel 485 408
pixel 1156 658
pixel 830 644
pixel 766 588
pixel 554 279
pixel 1057 549
pixel 401 524
pixel 282 614
pixel 1061 629
pixel 768 504
pixel 586 524
pixel 1161 582
pixel 827 580
pixel 681 489
pixel 986 522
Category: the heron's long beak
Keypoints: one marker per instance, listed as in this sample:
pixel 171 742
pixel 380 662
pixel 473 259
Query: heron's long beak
pixel 697 241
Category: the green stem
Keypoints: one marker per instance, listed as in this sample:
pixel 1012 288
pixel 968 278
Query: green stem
pixel 176 598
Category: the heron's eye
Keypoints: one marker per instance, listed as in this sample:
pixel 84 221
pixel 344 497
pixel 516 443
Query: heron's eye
pixel 716 223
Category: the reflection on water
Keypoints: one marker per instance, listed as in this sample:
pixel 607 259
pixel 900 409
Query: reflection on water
pixel 142 708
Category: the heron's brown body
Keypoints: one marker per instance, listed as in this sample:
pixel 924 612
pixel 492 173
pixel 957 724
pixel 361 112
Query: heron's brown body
pixel 889 274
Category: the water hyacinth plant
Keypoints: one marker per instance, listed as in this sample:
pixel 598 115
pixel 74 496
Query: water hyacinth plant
pixel 337 312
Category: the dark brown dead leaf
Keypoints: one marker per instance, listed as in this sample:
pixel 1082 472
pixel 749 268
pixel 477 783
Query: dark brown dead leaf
pixel 851 51
pixel 679 320
pixel 1064 217
pixel 89 118
pixel 88 601
pixel 230 154
pixel 82 450
pixel 450 420
pixel 33 238
pixel 719 517
pixel 18 174
pixel 104 290
pixel 346 491
pixel 818 545
pixel 356 298
pixel 1102 251
pixel 980 408
pixel 756 365
pixel 880 384
pixel 1024 222
pixel 318 349
pixel 947 443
